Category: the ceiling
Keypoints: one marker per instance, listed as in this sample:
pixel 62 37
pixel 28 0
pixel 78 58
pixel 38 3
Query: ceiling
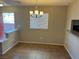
pixel 39 2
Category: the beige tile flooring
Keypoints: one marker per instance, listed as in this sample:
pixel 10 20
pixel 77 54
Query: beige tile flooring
pixel 36 51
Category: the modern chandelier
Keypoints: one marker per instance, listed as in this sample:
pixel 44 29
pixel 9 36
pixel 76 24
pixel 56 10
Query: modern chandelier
pixel 36 13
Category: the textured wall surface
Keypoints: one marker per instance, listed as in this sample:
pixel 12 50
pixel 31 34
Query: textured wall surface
pixel 72 41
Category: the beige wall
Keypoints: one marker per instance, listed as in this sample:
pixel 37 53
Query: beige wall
pixel 55 32
pixel 72 41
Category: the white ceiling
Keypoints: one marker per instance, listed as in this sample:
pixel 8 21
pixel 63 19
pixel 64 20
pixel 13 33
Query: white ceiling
pixel 39 2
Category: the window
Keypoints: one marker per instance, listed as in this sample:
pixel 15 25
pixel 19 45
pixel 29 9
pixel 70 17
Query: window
pixel 40 22
pixel 8 18
pixel 9 22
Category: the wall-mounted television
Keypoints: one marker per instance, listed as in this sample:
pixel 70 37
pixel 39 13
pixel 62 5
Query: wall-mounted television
pixel 75 25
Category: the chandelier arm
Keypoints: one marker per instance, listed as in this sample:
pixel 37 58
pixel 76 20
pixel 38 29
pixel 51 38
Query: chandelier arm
pixel 37 13
pixel 36 5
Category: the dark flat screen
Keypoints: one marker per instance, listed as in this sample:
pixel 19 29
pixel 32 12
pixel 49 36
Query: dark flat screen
pixel 75 25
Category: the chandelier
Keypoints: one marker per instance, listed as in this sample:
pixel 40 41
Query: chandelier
pixel 36 13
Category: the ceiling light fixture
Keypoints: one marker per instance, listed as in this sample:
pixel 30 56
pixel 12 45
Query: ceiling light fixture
pixel 36 13
pixel 1 5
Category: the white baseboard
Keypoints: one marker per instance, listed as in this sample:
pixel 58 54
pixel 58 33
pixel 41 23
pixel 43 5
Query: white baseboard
pixel 68 51
pixel 9 48
pixel 41 43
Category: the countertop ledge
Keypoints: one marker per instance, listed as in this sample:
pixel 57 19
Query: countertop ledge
pixel 9 31
pixel 74 33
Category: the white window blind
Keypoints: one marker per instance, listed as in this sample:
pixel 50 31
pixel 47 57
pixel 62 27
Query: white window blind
pixel 8 18
pixel 39 23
